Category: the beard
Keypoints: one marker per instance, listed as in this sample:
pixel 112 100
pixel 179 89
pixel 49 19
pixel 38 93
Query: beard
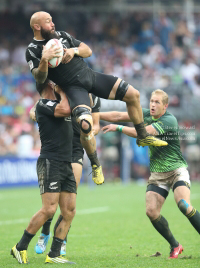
pixel 47 34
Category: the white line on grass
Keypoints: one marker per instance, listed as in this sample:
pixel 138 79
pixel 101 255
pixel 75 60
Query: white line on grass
pixel 79 212
pixel 92 210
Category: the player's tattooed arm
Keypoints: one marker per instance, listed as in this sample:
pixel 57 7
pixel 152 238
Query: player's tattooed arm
pixel 40 74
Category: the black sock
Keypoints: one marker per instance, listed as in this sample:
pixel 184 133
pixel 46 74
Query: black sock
pixel 141 131
pixel 57 223
pixel 94 159
pixel 67 233
pixel 161 225
pixel 56 226
pixel 194 218
pixel 55 247
pixel 25 240
pixel 46 227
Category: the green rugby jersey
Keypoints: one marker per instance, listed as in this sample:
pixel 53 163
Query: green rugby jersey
pixel 165 158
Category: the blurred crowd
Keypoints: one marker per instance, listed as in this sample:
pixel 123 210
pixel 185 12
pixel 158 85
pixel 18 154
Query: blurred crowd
pixel 156 51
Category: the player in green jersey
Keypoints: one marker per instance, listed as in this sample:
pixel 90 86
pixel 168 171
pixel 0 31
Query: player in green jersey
pixel 167 166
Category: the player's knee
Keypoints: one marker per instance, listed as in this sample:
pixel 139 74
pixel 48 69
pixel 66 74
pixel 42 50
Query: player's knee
pixel 70 212
pixel 151 213
pixel 84 118
pixel 183 206
pixel 132 96
pixel 85 126
pixel 50 211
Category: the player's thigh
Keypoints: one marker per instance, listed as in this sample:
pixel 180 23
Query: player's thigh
pixel 105 86
pixel 181 185
pixel 67 202
pixel 77 159
pixel 77 169
pixel 50 200
pixel 77 97
pixel 154 201
pixel 182 192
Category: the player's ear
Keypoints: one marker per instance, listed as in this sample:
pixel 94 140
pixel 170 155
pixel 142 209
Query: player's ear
pixel 37 27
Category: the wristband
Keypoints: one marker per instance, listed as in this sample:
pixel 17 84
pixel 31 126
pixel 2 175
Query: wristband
pixel 76 51
pixel 119 128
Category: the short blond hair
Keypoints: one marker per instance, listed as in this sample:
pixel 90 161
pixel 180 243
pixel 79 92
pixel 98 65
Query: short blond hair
pixel 165 97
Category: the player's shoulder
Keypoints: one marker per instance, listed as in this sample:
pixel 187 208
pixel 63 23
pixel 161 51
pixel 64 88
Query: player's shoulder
pixel 45 103
pixel 146 112
pixel 63 34
pixel 169 117
pixel 33 45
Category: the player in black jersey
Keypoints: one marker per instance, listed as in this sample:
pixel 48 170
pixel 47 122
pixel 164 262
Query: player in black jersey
pixel 55 177
pixel 76 79
pixel 77 163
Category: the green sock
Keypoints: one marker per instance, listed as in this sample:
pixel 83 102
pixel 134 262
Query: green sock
pixel 194 218
pixel 161 225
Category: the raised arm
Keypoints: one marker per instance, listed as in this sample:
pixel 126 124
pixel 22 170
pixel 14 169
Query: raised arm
pixel 115 117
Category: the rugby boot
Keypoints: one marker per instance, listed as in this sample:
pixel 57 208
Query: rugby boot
pixel 59 259
pixel 20 256
pixel 150 140
pixel 97 174
pixel 176 251
pixel 42 243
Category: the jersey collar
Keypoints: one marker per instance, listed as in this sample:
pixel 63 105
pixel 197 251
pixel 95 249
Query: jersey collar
pixel 155 119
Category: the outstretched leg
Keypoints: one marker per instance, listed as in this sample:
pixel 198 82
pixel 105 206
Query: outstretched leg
pixel 125 92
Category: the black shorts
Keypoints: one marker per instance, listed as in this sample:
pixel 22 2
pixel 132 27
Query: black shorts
pixel 55 176
pixel 77 152
pixel 89 81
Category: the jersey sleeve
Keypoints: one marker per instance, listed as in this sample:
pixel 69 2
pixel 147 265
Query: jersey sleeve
pixel 166 124
pixel 96 104
pixel 46 107
pixel 32 59
pixel 72 41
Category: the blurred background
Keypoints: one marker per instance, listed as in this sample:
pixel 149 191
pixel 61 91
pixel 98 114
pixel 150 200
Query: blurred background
pixel 149 43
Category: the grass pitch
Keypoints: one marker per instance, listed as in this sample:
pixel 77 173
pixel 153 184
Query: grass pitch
pixel 109 230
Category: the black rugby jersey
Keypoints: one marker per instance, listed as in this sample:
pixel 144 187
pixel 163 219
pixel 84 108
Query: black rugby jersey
pixel 95 109
pixel 64 73
pixel 56 133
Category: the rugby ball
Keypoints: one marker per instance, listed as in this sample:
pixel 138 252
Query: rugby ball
pixel 55 61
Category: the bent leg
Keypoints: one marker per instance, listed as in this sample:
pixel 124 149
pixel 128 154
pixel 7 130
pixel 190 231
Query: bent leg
pixel 49 206
pixel 182 198
pixel 84 118
pixel 154 203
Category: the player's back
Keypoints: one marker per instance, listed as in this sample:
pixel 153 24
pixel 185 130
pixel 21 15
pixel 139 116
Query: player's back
pixel 55 133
